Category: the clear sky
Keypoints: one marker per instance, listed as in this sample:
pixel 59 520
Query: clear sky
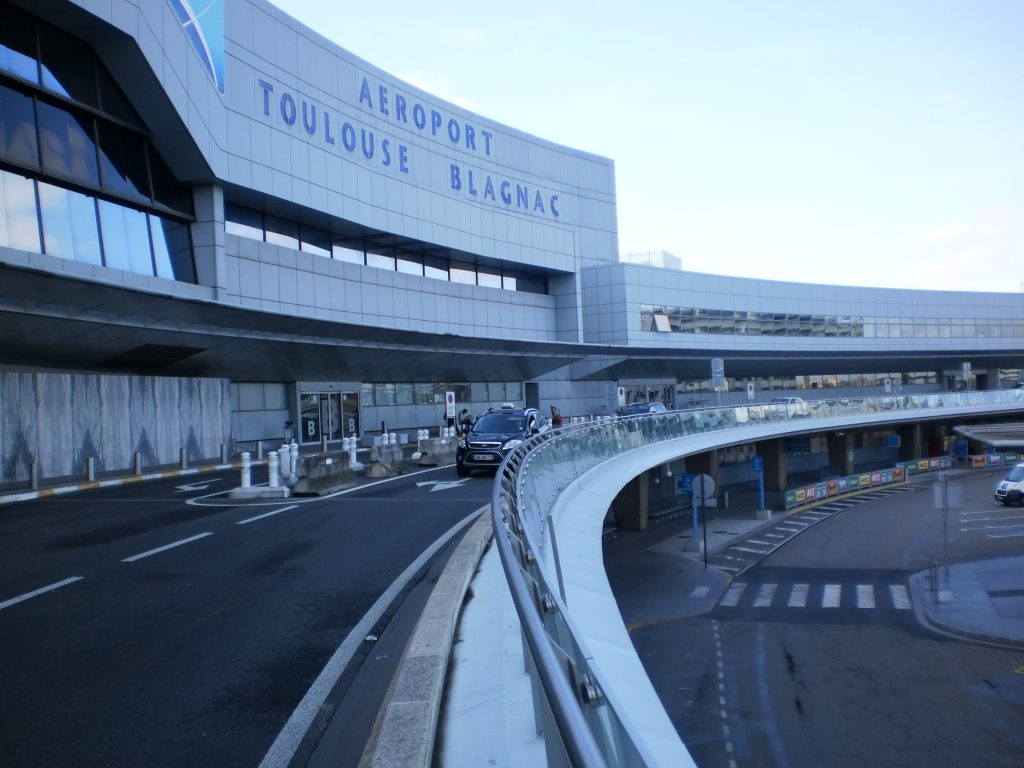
pixel 876 142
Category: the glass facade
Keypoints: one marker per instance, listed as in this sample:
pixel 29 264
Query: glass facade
pixel 246 222
pixel 731 323
pixel 79 178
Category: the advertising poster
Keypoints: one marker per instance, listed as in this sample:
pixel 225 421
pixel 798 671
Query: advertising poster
pixel 844 484
pixel 833 487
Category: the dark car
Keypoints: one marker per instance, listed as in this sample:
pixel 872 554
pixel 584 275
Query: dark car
pixel 638 408
pixel 495 434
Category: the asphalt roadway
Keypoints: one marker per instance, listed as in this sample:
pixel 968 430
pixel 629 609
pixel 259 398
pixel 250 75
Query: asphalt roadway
pixel 160 624
pixel 833 645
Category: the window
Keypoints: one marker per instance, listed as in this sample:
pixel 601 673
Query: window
pixel 123 162
pixel 351 255
pixel 69 224
pixel 19 224
pixel 489 277
pixel 243 222
pixel 18 128
pixel 380 261
pixel 316 241
pixel 18 44
pixel 125 238
pixel 460 272
pixel 67 144
pixel 281 231
pixel 409 264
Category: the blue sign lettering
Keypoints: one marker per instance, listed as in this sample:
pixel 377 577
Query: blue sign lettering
pixel 543 202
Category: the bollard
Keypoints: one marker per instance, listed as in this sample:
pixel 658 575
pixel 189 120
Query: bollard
pixel 259 450
pixel 272 467
pixel 344 444
pixel 293 470
pixel 35 475
pixel 323 443
pixel 246 470
pixel 352 460
pixel 183 460
pixel 138 462
pixel 392 438
pixel 90 468
pixel 284 460
pixel 223 453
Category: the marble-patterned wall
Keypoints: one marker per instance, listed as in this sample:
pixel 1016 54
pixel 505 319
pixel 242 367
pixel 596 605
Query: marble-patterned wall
pixel 61 419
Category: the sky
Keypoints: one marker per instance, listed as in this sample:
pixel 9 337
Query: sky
pixel 848 143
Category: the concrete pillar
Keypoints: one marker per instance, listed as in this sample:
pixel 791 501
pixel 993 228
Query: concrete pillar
pixel 630 507
pixel 911 441
pixel 703 464
pixel 840 451
pixel 775 470
pixel 208 238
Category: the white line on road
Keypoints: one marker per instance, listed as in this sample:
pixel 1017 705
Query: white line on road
pixel 267 514
pixel 40 591
pixel 732 597
pixel 765 596
pixel 165 547
pixel 865 596
pixel 832 596
pixel 798 597
pixel 287 742
pixel 900 597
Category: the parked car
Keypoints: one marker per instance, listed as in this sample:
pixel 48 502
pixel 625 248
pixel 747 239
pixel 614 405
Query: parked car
pixel 643 408
pixel 495 434
pixel 1011 488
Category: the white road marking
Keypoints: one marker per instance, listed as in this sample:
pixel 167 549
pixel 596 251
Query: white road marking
pixel 832 596
pixel 267 514
pixel 765 595
pixel 700 592
pixel 798 597
pixel 40 591
pixel 164 548
pixel 865 596
pixel 900 597
pixel 732 596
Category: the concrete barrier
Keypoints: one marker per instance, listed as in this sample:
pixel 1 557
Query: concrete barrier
pixel 435 451
pixel 386 461
pixel 323 473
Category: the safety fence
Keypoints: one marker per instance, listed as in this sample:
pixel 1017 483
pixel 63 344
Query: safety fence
pixel 581 715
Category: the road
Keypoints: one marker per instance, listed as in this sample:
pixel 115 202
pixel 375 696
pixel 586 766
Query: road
pixel 163 625
pixel 815 656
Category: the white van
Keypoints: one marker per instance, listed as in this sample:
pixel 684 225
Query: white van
pixel 1011 488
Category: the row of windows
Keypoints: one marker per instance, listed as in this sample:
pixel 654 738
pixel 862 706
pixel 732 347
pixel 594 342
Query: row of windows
pixel 62 116
pixel 819 381
pixel 246 222
pixel 492 392
pixel 44 218
pixel 729 323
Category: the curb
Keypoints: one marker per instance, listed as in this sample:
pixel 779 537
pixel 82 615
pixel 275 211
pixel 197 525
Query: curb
pixel 926 620
pixel 406 725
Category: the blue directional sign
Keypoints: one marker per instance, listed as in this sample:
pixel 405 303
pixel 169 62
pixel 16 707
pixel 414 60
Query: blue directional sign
pixel 686 483
pixel 757 463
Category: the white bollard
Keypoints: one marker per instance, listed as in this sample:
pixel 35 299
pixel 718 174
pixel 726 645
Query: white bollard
pixel 344 444
pixel 272 466
pixel 294 471
pixel 284 461
pixel 246 470
pixel 392 438
pixel 352 460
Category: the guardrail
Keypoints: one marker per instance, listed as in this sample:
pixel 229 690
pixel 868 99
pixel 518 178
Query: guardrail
pixel 577 707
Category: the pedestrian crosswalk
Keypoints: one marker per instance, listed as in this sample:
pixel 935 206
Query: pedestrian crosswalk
pixel 826 596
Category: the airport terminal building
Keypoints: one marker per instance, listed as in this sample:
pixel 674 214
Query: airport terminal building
pixel 213 225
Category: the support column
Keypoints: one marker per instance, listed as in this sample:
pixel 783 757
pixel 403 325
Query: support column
pixel 208 238
pixel 775 470
pixel 704 463
pixel 911 441
pixel 840 451
pixel 630 507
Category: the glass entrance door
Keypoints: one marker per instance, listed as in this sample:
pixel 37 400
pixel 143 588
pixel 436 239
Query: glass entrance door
pixel 333 415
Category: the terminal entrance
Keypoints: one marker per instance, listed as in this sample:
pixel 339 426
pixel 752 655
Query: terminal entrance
pixel 330 415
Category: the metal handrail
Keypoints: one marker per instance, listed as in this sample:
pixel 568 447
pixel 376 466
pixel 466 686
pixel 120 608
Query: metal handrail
pixel 579 720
